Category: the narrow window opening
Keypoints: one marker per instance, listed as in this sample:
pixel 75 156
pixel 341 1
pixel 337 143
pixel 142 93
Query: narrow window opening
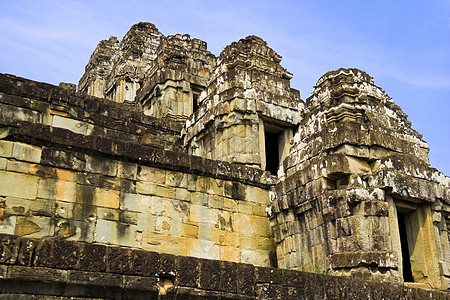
pixel 406 261
pixel 272 154
pixel 195 105
pixel 196 91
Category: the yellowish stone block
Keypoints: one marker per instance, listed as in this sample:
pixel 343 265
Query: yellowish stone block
pixel 106 198
pixel 257 243
pixel 202 249
pixel 66 175
pixel 227 238
pixel 6 148
pixel 57 189
pixel 249 225
pixel 230 254
pixel 17 166
pixel 164 191
pixel 164 243
pixel 18 185
pixel 151 174
pixel 189 230
pixel 145 188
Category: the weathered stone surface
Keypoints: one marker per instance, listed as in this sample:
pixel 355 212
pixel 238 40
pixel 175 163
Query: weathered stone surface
pixel 355 165
pixel 118 260
pixel 93 258
pixel 217 158
pixel 210 279
pixel 9 248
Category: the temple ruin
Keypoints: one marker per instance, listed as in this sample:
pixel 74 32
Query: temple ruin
pixel 175 169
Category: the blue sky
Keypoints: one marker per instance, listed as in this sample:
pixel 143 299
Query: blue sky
pixel 404 45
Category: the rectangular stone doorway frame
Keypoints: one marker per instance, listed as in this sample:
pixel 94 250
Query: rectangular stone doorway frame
pixel 274 144
pixel 413 239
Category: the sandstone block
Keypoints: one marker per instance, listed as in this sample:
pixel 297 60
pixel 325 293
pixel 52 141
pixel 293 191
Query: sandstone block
pixel 207 185
pixel 72 125
pixel 90 195
pixel 37 274
pixel 216 202
pixel 150 174
pixel 17 166
pixel 145 263
pixel 141 284
pixel 109 214
pixel 18 185
pixel 227 238
pixel 116 233
pixel 249 225
pixel 202 249
pixel 176 179
pixel 189 230
pixel 145 188
pixel 27 152
pixel 119 260
pixel 127 170
pixel 101 165
pixel 66 254
pixel 256 257
pixel 210 275
pixel 258 243
pixel 6 148
pixel 3 163
pixel 57 189
pixel 257 195
pixel 106 283
pixel 230 204
pixel 165 192
pixel 134 202
pixel 176 227
pixel 188 271
pixel 26 251
pixel 156 242
pixel 206 231
pixel 230 253
pixel 34 226
pixel 19 206
pixel 65 175
pixel 245 207
pixel 201 199
pixel 182 194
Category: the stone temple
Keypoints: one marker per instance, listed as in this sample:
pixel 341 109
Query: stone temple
pixel 175 174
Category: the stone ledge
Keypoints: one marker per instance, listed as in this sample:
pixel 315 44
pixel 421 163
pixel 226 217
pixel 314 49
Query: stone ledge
pixel 381 259
pixel 129 273
pixel 100 110
pixel 56 140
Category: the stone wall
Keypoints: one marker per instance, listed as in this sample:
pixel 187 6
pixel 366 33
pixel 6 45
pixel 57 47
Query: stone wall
pixel 98 186
pixel 248 91
pixel 355 169
pixel 176 78
pixel 219 158
pixel 116 69
pixel 61 269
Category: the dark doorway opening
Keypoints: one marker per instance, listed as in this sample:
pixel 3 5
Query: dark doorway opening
pixel 272 152
pixel 406 261
pixel 195 102
pixel 196 91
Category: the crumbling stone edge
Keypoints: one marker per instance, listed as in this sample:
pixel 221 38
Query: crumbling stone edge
pixel 62 268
